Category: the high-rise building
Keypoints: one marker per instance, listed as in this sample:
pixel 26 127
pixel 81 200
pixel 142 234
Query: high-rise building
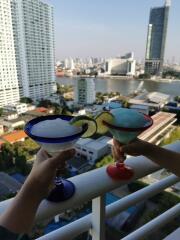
pixel 156 39
pixel 34 46
pixel 124 65
pixel 85 92
pixel 9 89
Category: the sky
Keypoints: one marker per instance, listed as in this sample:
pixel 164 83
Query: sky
pixel 106 28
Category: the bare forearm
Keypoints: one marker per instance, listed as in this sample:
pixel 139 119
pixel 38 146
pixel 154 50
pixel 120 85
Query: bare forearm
pixel 20 216
pixel 163 157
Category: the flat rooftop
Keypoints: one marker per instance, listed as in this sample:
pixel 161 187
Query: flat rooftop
pixel 160 119
pixel 84 141
pixel 94 144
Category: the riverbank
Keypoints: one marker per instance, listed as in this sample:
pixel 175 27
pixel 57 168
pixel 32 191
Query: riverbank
pixel 163 80
pixel 126 87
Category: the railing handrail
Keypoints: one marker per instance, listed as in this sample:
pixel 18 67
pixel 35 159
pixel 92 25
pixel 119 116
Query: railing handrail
pixel 154 224
pixel 83 224
pixel 91 184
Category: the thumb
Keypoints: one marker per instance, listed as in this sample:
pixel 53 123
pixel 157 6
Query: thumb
pixel 125 148
pixel 131 149
pixel 60 159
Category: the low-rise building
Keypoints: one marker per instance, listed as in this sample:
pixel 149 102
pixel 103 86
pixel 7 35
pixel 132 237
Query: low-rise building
pixel 40 111
pixel 11 124
pixel 16 136
pixel 1 129
pixel 9 115
pixel 157 97
pixel 162 124
pixel 140 108
pixel 19 108
pixel 93 149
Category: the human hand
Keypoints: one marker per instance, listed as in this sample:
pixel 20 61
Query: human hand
pixel 135 148
pixel 44 170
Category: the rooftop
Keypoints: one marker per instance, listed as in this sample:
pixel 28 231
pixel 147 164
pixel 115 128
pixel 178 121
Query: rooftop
pixel 158 97
pixel 160 119
pixel 14 136
pixel 96 145
pixel 41 110
pixel 84 141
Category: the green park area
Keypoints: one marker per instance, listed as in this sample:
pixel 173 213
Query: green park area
pixel 174 136
pixel 16 157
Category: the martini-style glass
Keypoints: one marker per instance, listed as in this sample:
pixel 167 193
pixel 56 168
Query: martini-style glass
pixel 64 189
pixel 125 135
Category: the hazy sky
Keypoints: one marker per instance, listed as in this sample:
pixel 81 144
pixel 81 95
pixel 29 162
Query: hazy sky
pixel 109 27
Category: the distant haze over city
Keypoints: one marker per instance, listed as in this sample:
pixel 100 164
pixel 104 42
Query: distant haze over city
pixel 109 28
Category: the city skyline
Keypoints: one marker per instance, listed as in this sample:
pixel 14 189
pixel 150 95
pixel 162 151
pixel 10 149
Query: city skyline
pixel 81 34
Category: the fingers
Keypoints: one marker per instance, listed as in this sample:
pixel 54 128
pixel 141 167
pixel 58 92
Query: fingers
pixel 117 144
pixel 59 160
pixel 42 155
pixel 133 148
pixel 118 155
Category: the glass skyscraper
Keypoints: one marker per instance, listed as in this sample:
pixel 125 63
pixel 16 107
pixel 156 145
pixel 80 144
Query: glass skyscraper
pixel 157 31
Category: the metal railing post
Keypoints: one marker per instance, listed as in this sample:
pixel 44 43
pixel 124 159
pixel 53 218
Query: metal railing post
pixel 98 218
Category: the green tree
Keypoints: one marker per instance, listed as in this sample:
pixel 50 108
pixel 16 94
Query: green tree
pixel 105 161
pixel 177 99
pixel 174 136
pixel 145 76
pixel 26 100
pixel 20 163
pixel 7 155
pixel 1 111
pixel 2 163
pixel 57 110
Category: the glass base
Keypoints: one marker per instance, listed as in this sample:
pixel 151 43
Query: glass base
pixel 62 192
pixel 120 171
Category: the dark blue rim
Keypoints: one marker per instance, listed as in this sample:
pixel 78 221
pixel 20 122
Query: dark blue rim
pixel 31 123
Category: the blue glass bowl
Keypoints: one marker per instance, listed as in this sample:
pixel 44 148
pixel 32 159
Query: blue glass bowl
pixel 50 144
pixel 126 134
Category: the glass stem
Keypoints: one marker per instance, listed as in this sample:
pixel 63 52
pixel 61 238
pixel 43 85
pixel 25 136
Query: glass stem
pixel 58 178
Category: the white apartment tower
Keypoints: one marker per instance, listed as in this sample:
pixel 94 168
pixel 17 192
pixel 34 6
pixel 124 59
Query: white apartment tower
pixel 34 46
pixel 9 90
pixel 85 92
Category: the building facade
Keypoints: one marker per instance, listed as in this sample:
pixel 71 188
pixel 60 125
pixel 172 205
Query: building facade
pixel 34 47
pixel 85 92
pixel 124 65
pixel 156 39
pixel 9 89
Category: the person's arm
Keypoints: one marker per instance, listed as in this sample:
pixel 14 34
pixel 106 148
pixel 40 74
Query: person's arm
pixel 161 156
pixel 19 217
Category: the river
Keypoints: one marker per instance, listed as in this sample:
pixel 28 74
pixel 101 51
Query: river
pixel 126 87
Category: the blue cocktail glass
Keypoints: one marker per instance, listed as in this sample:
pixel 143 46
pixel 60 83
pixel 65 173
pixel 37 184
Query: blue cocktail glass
pixel 64 189
pixel 125 135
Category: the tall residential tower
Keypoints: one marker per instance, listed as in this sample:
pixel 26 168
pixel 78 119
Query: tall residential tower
pixel 34 46
pixel 9 90
pixel 156 39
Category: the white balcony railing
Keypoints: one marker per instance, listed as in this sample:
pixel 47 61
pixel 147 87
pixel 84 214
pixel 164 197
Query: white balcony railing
pixel 92 186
